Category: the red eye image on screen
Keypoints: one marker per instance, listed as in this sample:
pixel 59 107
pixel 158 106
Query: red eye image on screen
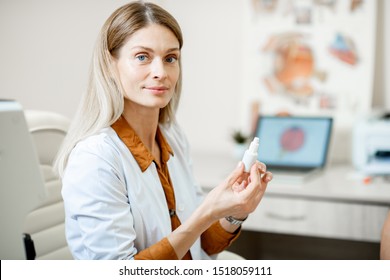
pixel 292 139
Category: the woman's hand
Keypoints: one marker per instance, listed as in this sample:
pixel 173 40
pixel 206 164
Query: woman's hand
pixel 239 194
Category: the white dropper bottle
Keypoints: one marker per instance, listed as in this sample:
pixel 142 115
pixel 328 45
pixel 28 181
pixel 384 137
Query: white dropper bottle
pixel 250 155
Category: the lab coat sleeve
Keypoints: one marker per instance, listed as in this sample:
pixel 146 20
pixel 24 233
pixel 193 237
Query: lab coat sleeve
pixel 99 221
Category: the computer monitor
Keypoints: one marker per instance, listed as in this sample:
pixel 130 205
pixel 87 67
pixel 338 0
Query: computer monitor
pixel 294 141
pixel 21 182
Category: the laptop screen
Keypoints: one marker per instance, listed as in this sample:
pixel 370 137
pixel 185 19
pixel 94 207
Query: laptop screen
pixel 294 141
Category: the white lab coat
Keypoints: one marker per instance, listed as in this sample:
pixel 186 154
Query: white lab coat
pixel 113 210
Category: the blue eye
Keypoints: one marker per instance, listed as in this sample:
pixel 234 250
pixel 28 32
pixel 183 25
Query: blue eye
pixel 171 59
pixel 141 57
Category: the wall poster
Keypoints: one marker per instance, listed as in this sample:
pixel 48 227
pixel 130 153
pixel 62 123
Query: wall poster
pixel 309 56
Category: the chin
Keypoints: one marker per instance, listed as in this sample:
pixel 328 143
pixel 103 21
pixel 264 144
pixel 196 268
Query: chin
pixel 161 103
pixel 156 105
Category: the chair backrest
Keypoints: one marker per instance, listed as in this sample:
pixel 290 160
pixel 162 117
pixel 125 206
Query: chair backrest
pixel 46 223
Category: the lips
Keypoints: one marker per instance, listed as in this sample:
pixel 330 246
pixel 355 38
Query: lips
pixel 157 89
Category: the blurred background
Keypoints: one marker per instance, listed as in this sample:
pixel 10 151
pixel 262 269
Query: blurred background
pixel 235 67
pixel 47 44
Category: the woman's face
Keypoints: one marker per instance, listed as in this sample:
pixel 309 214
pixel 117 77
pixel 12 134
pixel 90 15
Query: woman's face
pixel 148 67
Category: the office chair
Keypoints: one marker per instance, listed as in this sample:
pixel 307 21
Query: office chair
pixel 46 224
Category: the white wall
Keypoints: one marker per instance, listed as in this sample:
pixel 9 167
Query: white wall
pixel 209 109
pixel 381 98
pixel 46 47
pixel 384 42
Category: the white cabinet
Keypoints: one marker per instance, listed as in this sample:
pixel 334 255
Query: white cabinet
pixel 329 219
pixel 332 205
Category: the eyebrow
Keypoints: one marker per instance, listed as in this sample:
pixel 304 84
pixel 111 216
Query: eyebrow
pixel 151 50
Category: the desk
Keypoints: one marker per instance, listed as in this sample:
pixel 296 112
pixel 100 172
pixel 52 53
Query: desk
pixel 329 205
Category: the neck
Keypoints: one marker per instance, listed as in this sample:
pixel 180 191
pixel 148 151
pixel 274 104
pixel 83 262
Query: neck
pixel 144 123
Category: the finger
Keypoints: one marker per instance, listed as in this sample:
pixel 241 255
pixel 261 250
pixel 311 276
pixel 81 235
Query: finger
pixel 236 174
pixel 262 186
pixel 268 176
pixel 239 187
pixel 262 167
pixel 255 174
pixel 255 178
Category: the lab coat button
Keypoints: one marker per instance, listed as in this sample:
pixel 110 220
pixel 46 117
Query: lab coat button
pixel 180 207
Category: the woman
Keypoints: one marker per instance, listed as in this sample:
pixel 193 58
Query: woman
pixel 128 187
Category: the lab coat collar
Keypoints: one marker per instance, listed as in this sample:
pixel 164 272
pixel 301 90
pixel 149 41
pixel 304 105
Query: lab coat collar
pixel 141 154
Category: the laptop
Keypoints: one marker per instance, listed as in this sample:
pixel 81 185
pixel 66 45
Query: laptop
pixel 293 147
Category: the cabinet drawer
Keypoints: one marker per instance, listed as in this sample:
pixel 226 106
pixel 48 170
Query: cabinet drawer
pixel 318 218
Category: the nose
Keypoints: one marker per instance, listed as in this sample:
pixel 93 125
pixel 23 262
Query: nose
pixel 158 70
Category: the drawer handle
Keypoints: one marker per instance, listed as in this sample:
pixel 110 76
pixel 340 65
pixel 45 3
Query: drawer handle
pixel 284 217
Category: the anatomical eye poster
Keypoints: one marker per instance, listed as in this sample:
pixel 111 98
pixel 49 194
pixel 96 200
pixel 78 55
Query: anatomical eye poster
pixel 309 56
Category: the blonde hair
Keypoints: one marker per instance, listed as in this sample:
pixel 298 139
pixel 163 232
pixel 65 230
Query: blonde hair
pixel 103 102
